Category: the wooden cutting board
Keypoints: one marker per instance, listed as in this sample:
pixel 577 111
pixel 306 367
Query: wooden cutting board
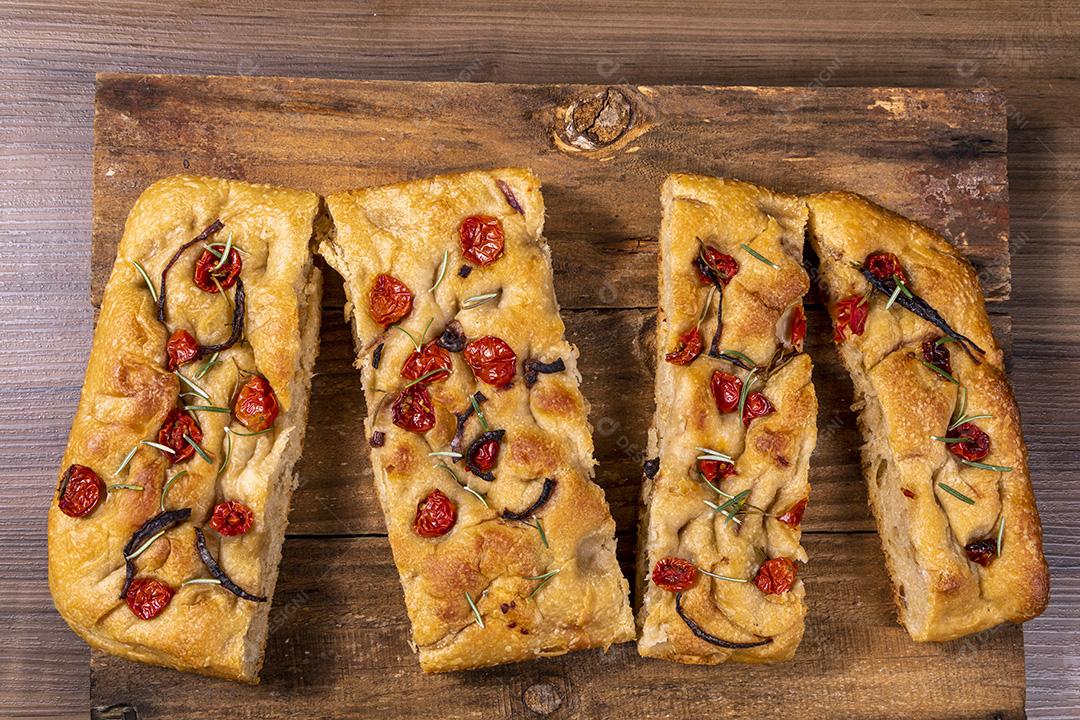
pixel 338 641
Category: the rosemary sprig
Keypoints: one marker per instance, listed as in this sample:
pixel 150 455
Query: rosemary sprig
pixel 544 580
pixel 417 343
pixel 193 385
pixel 987 466
pixel 158 446
pixel 131 454
pixel 540 529
pixel 200 581
pixel 722 577
pixel 709 454
pixel 477 300
pixel 759 256
pixel 892 298
pixel 940 372
pixel 228 455
pixel 949 440
pixel 202 453
pixel 956 493
pixel 210 249
pixel 211 362
pixel 945 339
pixel 705 308
pixel 442 271
pixel 960 408
pixel 168 485
pixel 446 453
pixel 241 433
pixel 207 408
pixel 146 279
pixel 740 356
pixel 423 377
pixel 968 418
pixel 732 506
pixel 476 610
pixel 142 548
pixel 126 486
pixel 1000 534
pixel 745 392
pixel 221 290
pixel 224 254
pixel 479 413
pixel 476 494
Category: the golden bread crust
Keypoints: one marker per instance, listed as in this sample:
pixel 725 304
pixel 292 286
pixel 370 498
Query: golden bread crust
pixel 404 230
pixel 771 455
pixel 940 593
pixel 127 394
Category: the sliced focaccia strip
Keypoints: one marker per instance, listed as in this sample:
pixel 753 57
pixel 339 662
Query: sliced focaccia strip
pixel 480 443
pixel 734 428
pixel 166 530
pixel 944 459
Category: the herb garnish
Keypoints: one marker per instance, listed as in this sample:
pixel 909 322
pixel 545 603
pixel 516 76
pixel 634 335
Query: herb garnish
pixel 1000 534
pixel 126 486
pixel 416 343
pixel 479 413
pixel 987 466
pixel 217 572
pixel 540 529
pixel 477 300
pixel 712 639
pixel 146 278
pixel 142 548
pixel 200 581
pixel 442 271
pixel 731 507
pixel 956 493
pixel 738 359
pixel 940 372
pixel 207 408
pixel 422 378
pixel 544 580
pixel 206 367
pixel 476 610
pixel 202 453
pixel 465 485
pixel 745 392
pixel 131 454
pixel 169 484
pixel 446 453
pixel 722 577
pixel 241 433
pixel 759 256
pixel 193 385
pixel 710 454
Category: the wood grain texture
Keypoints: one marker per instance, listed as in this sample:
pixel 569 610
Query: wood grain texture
pixel 50 52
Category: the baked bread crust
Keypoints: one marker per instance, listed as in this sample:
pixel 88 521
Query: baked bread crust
pixel 940 594
pixel 127 395
pixel 404 230
pixel 771 455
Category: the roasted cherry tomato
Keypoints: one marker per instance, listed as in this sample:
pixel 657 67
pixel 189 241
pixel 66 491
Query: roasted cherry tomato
pixel 182 348
pixel 256 405
pixel 757 405
pixel 775 576
pixel 491 360
pixel 430 358
pixel 389 300
pixel 794 514
pixel 689 347
pixel 148 597
pixel 716 470
pixel 726 389
pixel 80 491
pixel 798 328
pixel 207 271
pixel 674 574
pixel 481 239
pixel 937 355
pixel 232 518
pixel 883 265
pixel 975 447
pixel 435 515
pixel 413 410
pixel 484 456
pixel 851 314
pixel 982 552
pixel 722 264
pixel 179 423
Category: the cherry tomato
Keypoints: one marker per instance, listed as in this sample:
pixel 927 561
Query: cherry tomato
pixel 80 491
pixel 851 314
pixel 674 574
pixel 390 300
pixel 883 265
pixel 722 264
pixel 431 357
pixel 485 455
pixel 716 470
pixel 413 410
pixel 232 518
pixel 975 447
pixel 256 405
pixel 982 552
pixel 798 328
pixel 435 515
pixel 757 405
pixel 775 576
pixel 689 347
pixel 794 514
pixel 182 348
pixel 491 360
pixel 481 239
pixel 226 275
pixel 148 597
pixel 937 355
pixel 177 424
pixel 726 389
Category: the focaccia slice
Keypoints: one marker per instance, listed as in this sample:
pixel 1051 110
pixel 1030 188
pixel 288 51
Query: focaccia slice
pixel 957 520
pixel 165 533
pixel 480 443
pixel 734 428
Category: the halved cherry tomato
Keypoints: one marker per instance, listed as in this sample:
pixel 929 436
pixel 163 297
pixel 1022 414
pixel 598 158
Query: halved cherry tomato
pixel 690 346
pixel 179 423
pixel 205 272
pixel 798 328
pixel 674 574
pixel 794 514
pixel 982 552
pixel 430 358
pixel 716 470
pixel 883 265
pixel 725 266
pixel 726 389
pixel 481 239
pixel 148 597
pixel 232 518
pixel 775 576
pixel 256 405
pixel 80 491
pixel 390 300
pixel 757 405
pixel 182 348
pixel 413 410
pixel 491 360
pixel 975 447
pixel 485 455
pixel 435 515
pixel 851 314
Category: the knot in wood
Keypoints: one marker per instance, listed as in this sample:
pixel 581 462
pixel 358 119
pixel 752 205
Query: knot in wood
pixel 120 711
pixel 600 119
pixel 542 698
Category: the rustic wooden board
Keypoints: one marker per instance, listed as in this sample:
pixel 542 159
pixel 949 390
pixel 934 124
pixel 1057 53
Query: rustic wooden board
pixel 338 645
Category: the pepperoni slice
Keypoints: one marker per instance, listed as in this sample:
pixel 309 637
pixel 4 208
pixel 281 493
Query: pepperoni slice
pixel 482 239
pixel 179 423
pixel 757 405
pixel 256 405
pixel 775 576
pixel 726 389
pixel 492 361
pixel 716 470
pixel 232 518
pixel 435 515
pixel 413 410
pixel 975 447
pixel 794 514
pixel 851 314
pixel 147 597
pixel 725 266
pixel 674 574
pixel 937 355
pixel 206 271
pixel 690 346
pixel 430 358
pixel 883 265
pixel 180 349
pixel 390 300
pixel 80 491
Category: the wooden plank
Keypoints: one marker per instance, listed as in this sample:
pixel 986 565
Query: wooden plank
pixel 338 647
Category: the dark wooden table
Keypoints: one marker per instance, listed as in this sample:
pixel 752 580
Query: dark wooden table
pixel 50 51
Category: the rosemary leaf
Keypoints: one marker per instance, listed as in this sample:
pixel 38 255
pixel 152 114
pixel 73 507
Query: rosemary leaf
pixel 224 253
pixel 248 434
pixel 540 529
pixel 126 486
pixel 206 366
pixel 228 455
pixel 446 453
pixel 892 298
pixel 945 339
pixel 544 580
pixel 202 453
pixel 902 286
pixel 479 413
pixel 987 466
pixel 193 385
pixel 967 419
pixel 956 493
pixel 1001 534
pixel 476 610
pixel 745 391
pixel 127 459
pixel 759 256
pixel 940 372
pixel 146 279
pixel 736 354
pixel 168 485
pixel 478 495
pixel 722 577
pixel 423 377
pixel 477 300
pixel 207 408
pixel 142 548
pixel 442 271
pixel 200 581
pixel 949 440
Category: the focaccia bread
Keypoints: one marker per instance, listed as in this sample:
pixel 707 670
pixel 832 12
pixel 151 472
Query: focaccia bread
pixel 944 459
pixel 165 533
pixel 734 428
pixel 479 437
